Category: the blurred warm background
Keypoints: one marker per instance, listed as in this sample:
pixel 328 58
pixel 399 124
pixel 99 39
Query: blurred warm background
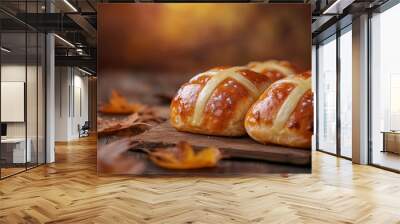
pixel 146 51
pixel 156 47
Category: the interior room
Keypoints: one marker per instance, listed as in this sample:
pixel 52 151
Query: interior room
pixel 49 103
pixel 24 57
pixel 22 102
pixel 72 106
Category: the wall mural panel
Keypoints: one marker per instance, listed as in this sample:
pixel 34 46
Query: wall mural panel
pixel 204 89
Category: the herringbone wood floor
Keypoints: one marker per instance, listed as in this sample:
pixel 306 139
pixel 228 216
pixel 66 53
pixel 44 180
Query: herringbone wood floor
pixel 70 191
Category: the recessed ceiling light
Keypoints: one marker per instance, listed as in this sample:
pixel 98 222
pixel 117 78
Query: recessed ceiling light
pixel 64 40
pixel 84 71
pixel 338 6
pixel 5 50
pixel 70 5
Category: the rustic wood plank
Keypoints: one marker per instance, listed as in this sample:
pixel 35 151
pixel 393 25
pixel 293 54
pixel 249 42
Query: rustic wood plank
pixel 125 156
pixel 238 147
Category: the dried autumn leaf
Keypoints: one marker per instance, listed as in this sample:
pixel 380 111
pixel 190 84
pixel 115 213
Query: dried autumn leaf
pixel 113 158
pixel 184 157
pixel 136 122
pixel 119 105
pixel 112 126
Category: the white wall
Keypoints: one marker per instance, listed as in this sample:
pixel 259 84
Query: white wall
pixel 15 72
pixel 61 103
pixel 71 94
pixel 80 109
pixel 33 127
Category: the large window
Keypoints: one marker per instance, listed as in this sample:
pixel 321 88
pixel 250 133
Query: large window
pixel 385 89
pixel 346 92
pixel 334 109
pixel 327 96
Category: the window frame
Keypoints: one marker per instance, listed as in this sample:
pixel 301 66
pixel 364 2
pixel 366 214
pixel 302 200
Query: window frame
pixel 333 37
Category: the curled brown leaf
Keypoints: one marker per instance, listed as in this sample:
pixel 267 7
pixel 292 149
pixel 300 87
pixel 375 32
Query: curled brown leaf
pixel 141 117
pixel 183 156
pixel 105 126
pixel 118 104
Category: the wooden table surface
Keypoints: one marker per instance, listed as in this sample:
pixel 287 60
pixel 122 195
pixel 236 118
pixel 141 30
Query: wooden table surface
pixel 243 155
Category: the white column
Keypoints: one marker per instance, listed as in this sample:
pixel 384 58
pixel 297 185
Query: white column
pixel 50 92
pixel 50 98
pixel 360 90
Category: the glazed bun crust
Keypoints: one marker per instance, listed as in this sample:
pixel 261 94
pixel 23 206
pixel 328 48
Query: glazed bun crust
pixel 215 102
pixel 273 69
pixel 283 114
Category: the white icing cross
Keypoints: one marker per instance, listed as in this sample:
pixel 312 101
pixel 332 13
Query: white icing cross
pixel 287 108
pixel 213 83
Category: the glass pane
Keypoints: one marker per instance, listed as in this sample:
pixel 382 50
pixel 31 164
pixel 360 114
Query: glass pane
pixel 346 94
pixel 385 85
pixel 41 98
pixel 13 86
pixel 327 97
pixel 31 97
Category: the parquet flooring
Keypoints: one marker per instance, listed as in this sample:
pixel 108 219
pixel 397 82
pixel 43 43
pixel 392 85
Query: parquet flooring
pixel 70 191
pixel 10 171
